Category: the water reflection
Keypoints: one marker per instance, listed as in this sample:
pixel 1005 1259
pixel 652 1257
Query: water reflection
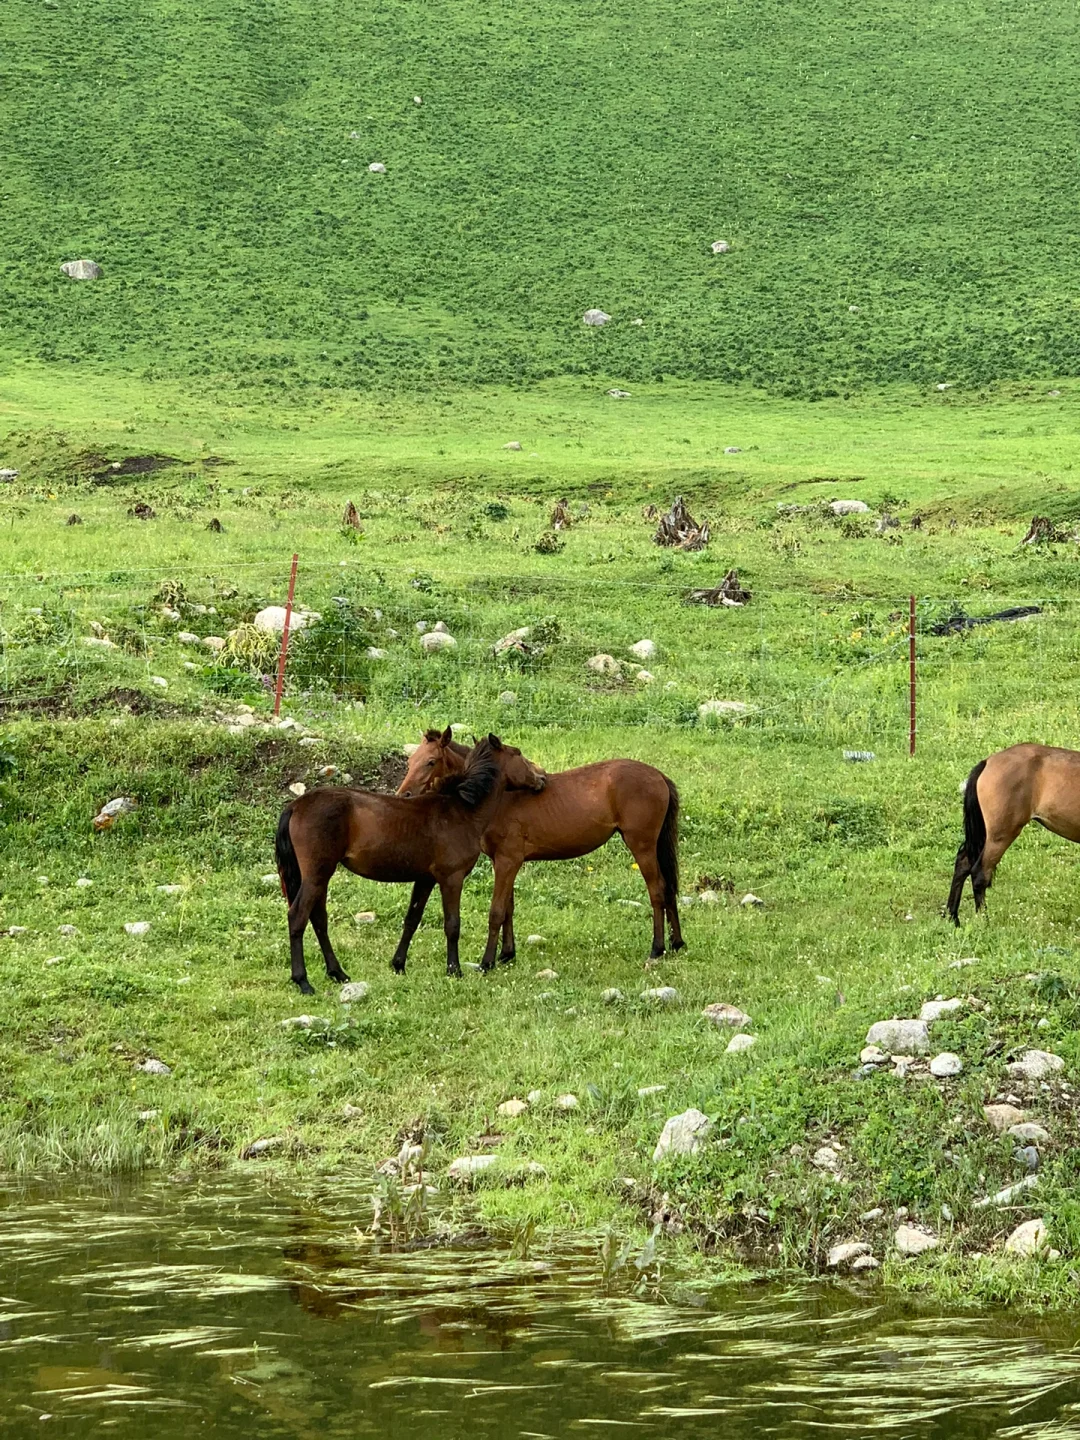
pixel 231 1308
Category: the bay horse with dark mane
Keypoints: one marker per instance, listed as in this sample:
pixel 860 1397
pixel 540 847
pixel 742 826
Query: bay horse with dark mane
pixel 1004 793
pixel 432 840
pixel 577 812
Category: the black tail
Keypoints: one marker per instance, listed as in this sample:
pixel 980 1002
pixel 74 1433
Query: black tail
pixel 974 824
pixel 667 847
pixel 288 866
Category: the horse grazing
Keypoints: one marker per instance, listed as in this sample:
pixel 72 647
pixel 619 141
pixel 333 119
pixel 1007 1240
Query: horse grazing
pixel 1022 783
pixel 432 840
pixel 578 811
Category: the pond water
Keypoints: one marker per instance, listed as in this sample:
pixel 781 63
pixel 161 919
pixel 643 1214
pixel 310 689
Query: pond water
pixel 234 1307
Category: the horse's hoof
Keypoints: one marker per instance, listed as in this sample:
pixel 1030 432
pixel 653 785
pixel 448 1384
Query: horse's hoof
pixel 677 945
pixel 396 968
pixel 305 987
pixel 338 977
pixel 508 958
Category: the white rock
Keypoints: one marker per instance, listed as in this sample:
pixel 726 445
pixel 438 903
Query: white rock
pixel 513 641
pixel 13 931
pixel 534 1097
pixel 603 664
pixel 842 1255
pixel 643 649
pixel 963 964
pixel 122 805
pixel 849 507
pixel 99 642
pixel 596 317
pixel 364 917
pixel 726 1016
pixel 436 640
pixel 738 1043
pixel 306 1022
pixel 468 1167
pixel 354 993
pixel 910 1241
pixel 159 681
pixel 145 1116
pixel 83 882
pixel 683 1135
pixel 547 974
pixel 872 1055
pixel 645 677
pixel 374 653
pixel 1008 1195
pixel 187 637
pixel 81 269
pixel 175 889
pixel 377 167
pixel 137 927
pixel 612 996
pixel 71 930
pixel 298 788
pixel 751 901
pixel 644 1091
pixel 935 1009
pixel 900 1037
pixel 507 697
pixel 216 643
pixel 511 1109
pixel 1030 1238
pixel 619 394
pixel 709 897
pixel 1036 1065
pixel 512 445
pixel 874 1214
pixel 946 1065
pixel 723 707
pixel 154 1067
pixel 271 620
pixel 1029 1131
pixel 566 1102
pixel 732 449
pixel 662 995
pixel 535 940
pixel 826 1158
pixel 865 1262
pixel 308 741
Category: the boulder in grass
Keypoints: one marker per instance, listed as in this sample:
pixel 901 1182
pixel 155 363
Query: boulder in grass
pixel 841 1256
pixel 153 1066
pixel 1030 1238
pixel 81 269
pixel 436 640
pixel 1002 1117
pixel 738 1043
pixel 467 1168
pixel 662 995
pixel 935 1009
pixel 643 649
pixel 911 1242
pixel 683 1135
pixel 946 1065
pixel 720 247
pixel 355 992
pixel 1036 1065
pixel 603 664
pixel 900 1037
pixel 849 507
pixel 595 317
pixel 377 167
pixel 726 1016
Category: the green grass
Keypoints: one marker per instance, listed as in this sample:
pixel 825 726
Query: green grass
pixel 896 187
pixel 841 854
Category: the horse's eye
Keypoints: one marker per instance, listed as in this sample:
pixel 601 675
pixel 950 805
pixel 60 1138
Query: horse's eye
pixel 431 764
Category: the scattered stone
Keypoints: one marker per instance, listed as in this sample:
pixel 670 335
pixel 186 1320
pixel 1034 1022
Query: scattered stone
pixel 145 1116
pixel 187 637
pixel 436 640
pixel 137 927
pixel 872 1055
pixel 910 1241
pixel 945 1065
pixel 726 1016
pixel 175 889
pixel 1036 1065
pixel 354 993
pixel 865 1262
pixel 108 815
pixel 81 269
pixel 535 940
pixel 271 620
pixel 1029 1131
pixel 566 1102
pixel 724 707
pixel 150 1066
pixel 859 757
pixel 963 964
pixel 298 788
pixel 603 665
pixel 709 897
pixel 262 1147
pixel 512 445
pixel 644 1091
pixel 216 643
pixel 619 394
pixel 841 1256
pixel 870 1215
pixel 511 1109
pixel 849 507
pixel 683 1135
pixel 14 931
pixel 720 247
pixel 643 649
pixel 159 681
pixel 514 641
pixel 351 1112
pixel 612 996
pixel 73 930
pixel 1008 1195
pixel 646 677
pixel 732 449
pixel 1028 1157
pixel 374 653
pixel 900 1037
pixel 507 697
pixel 738 1043
pixel 753 902
pixel 8 474
pixel 83 882
pixel 596 317
pixel 826 1158
pixel 306 1022
pixel 99 642
pixel 1030 1238
pixel 534 1097
pixel 364 917
pixel 934 1009
pixel 547 974
pixel 662 995
pixel 467 1167
pixel 377 168
pixel 1002 1117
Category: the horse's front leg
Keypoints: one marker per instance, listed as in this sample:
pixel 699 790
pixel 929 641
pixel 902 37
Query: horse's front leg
pixel 299 914
pixel 502 902
pixel 509 949
pixel 450 890
pixel 421 890
pixel 320 924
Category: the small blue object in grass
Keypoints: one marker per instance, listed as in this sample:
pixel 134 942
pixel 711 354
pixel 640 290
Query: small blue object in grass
pixel 859 756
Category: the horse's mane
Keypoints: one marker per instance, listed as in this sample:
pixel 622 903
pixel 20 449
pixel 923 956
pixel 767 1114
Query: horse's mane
pixel 477 780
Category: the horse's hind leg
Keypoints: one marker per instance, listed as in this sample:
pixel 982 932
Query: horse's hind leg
pixel 421 890
pixel 450 890
pixel 502 905
pixel 299 914
pixel 509 949
pixel 960 873
pixel 644 852
pixel 320 925
pixel 982 873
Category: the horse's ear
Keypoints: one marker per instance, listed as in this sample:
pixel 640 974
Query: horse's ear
pixel 431 735
pixel 446 736
pixel 494 742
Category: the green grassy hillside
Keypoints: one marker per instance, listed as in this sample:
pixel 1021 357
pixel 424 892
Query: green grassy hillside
pixel 212 156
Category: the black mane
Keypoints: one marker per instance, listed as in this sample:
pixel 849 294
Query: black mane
pixel 477 780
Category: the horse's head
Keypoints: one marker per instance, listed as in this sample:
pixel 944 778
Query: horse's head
pixel 434 761
pixel 519 773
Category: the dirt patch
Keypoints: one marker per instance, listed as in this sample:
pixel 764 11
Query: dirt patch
pixel 110 470
pixel 135 702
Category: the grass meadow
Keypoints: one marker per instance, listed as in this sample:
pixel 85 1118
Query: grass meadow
pixel 852 861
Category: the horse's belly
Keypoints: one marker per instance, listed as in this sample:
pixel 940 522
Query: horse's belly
pixel 565 847
pixel 387 872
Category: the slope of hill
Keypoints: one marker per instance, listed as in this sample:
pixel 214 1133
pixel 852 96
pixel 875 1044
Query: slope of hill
pixel 897 186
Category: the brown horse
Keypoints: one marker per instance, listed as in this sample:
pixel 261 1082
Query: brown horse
pixel 578 812
pixel 433 840
pixel 1025 782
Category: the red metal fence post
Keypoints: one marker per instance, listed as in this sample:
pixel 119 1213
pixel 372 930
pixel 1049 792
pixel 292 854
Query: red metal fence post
pixel 911 675
pixel 285 637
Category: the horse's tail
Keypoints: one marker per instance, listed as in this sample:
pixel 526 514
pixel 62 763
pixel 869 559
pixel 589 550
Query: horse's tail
pixel 667 846
pixel 974 823
pixel 287 864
